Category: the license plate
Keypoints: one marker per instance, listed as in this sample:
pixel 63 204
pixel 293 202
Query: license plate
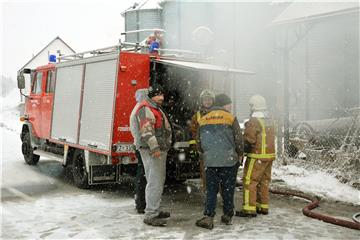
pixel 125 148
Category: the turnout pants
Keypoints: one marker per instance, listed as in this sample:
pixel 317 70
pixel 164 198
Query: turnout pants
pixel 155 173
pixel 256 180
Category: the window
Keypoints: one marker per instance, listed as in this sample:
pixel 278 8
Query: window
pixel 37 83
pixel 50 82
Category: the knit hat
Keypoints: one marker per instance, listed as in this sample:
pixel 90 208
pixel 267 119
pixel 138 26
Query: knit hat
pixel 222 99
pixel 155 90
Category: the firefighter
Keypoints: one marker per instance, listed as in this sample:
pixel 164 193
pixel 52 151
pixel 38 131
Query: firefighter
pixel 259 139
pixel 207 99
pixel 155 141
pixel 220 141
pixel 140 182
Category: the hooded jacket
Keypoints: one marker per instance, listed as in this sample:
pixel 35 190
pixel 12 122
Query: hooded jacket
pixel 154 127
pixel 140 95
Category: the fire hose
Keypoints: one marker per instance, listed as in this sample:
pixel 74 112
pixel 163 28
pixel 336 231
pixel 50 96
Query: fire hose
pixel 322 217
pixel 356 216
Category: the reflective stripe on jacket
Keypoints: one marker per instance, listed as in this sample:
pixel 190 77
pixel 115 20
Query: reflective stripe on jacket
pixel 259 135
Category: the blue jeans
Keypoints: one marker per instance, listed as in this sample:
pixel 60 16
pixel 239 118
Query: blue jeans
pixel 226 178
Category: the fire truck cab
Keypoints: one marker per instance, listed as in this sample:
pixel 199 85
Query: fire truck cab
pixel 78 112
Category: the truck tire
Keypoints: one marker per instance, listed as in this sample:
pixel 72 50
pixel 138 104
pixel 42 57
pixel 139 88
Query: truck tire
pixel 79 173
pixel 28 151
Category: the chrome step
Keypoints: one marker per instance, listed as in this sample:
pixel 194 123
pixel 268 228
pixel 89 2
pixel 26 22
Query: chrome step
pixel 53 156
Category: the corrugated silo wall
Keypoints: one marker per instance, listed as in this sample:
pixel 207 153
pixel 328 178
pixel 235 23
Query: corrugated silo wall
pixel 242 39
pixel 325 64
pixel 141 19
pixel 130 25
pixel 148 19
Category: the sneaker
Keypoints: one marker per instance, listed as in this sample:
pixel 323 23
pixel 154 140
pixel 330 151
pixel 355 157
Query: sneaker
pixel 262 211
pixel 163 215
pixel 245 214
pixel 206 222
pixel 156 222
pixel 226 219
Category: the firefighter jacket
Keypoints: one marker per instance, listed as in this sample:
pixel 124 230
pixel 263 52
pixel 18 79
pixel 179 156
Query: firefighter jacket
pixel 155 129
pixel 220 138
pixel 195 122
pixel 259 137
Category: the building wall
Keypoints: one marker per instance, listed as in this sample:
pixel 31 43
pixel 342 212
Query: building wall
pixel 43 57
pixel 324 73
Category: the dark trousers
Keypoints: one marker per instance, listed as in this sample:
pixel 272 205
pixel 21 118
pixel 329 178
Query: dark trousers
pixel 140 184
pixel 226 178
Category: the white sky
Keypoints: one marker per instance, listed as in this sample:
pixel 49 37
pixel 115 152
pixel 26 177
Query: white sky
pixel 27 26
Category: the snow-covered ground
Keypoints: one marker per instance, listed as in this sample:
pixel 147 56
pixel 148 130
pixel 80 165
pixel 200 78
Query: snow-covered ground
pixel 317 182
pixel 9 118
pixel 38 202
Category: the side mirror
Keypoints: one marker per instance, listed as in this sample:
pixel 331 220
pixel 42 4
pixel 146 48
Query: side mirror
pixel 21 81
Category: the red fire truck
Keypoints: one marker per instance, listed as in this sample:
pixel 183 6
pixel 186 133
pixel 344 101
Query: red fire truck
pixel 78 111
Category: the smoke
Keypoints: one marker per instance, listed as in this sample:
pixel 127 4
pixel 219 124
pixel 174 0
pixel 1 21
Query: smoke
pixel 315 58
pixel 231 34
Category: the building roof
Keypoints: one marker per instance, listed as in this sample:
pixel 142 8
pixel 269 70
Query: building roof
pixel 144 5
pixel 44 49
pixel 306 10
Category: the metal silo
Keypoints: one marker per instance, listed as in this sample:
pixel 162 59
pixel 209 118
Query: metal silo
pixel 143 15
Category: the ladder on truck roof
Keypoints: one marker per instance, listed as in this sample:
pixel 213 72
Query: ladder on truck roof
pixel 122 46
pixel 130 47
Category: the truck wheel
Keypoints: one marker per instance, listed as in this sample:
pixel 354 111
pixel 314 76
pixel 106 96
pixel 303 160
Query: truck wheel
pixel 28 151
pixel 79 173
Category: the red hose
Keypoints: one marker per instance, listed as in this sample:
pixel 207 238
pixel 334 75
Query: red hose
pixel 314 204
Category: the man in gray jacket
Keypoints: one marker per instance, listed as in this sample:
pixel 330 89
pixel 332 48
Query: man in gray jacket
pixel 155 141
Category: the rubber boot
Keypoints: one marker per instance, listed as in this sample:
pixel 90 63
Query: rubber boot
pixel 262 211
pixel 226 219
pixel 242 213
pixel 156 222
pixel 206 222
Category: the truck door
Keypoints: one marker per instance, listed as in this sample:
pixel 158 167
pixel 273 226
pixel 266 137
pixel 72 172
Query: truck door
pixel 47 103
pixel 34 104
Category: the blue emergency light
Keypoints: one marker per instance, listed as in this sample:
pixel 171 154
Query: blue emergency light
pixel 52 58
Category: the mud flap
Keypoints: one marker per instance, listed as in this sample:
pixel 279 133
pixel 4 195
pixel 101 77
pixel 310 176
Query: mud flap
pixel 100 174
